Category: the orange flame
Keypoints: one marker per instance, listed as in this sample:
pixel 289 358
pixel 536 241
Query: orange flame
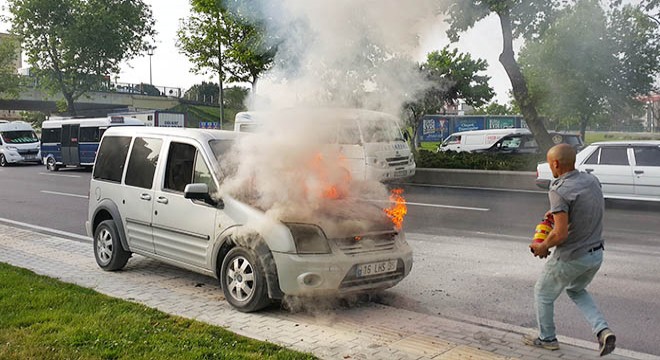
pixel 398 210
pixel 333 185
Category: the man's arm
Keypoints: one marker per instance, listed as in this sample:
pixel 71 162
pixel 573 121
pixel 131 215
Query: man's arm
pixel 557 236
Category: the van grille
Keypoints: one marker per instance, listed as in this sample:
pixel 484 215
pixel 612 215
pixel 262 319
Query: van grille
pixel 28 151
pixel 397 161
pixel 370 243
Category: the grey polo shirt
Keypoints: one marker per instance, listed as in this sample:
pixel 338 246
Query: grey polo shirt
pixel 578 194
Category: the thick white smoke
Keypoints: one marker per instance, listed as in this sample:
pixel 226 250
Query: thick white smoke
pixel 331 54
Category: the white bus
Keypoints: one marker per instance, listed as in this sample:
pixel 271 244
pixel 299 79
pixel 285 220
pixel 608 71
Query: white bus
pixel 371 142
pixel 74 142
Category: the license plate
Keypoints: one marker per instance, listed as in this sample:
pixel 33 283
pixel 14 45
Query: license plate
pixel 400 173
pixel 30 157
pixel 381 267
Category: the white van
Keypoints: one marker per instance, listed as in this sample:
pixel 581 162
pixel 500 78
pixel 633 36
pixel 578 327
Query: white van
pixel 153 192
pixel 371 142
pixel 476 139
pixel 18 143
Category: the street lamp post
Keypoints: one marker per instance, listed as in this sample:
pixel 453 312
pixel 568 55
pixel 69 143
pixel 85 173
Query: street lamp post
pixel 150 52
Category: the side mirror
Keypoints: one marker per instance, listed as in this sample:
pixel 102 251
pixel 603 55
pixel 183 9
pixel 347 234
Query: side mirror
pixel 200 191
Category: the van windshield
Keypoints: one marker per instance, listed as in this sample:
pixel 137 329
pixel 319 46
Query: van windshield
pixel 380 130
pixel 19 137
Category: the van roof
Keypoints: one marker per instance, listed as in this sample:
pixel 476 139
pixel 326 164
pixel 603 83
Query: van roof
pixel 201 135
pixel 15 125
pixel 350 113
pixel 494 131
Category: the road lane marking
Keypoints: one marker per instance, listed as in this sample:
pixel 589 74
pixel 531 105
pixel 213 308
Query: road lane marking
pixel 64 194
pixel 477 188
pixel 61 175
pixel 448 206
pixel 46 229
pixel 435 205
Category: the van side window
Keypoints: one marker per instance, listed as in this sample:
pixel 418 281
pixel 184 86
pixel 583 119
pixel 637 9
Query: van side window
pixel 89 134
pixel 180 164
pixel 51 135
pixel 142 162
pixel 111 158
pixel 202 173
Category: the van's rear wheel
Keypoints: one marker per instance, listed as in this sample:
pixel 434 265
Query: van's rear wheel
pixel 51 164
pixel 243 280
pixel 3 160
pixel 108 252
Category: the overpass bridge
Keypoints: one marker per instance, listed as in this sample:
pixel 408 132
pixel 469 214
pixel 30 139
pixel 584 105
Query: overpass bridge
pixel 114 97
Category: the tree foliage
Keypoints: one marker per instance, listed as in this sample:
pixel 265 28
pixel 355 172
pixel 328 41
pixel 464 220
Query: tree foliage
pixel 451 76
pixel 592 64
pixel 528 19
pixel 72 44
pixel 224 24
pixel 9 80
pixel 495 108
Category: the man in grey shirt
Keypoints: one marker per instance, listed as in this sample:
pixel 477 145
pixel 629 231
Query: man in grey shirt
pixel 576 204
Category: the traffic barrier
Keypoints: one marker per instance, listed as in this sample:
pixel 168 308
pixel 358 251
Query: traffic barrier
pixel 516 180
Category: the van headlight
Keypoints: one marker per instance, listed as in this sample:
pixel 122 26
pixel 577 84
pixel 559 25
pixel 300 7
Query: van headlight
pixel 374 161
pixel 309 239
pixel 12 148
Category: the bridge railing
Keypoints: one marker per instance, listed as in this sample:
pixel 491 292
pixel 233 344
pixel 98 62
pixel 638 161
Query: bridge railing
pixel 105 85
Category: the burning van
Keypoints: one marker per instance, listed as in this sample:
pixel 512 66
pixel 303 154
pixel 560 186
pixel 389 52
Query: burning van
pixel 371 142
pixel 267 219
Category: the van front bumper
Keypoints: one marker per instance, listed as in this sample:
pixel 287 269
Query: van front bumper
pixel 337 274
pixel 400 172
pixel 14 157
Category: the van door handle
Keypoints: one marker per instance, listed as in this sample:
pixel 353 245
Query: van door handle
pixel 588 171
pixel 639 172
pixel 162 200
pixel 145 197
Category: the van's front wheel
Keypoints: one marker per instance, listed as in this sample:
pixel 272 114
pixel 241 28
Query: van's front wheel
pixel 3 160
pixel 243 280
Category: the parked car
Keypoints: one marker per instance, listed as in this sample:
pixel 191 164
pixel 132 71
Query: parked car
pixel 153 193
pixel 476 139
pixel 626 169
pixel 18 143
pixel 525 143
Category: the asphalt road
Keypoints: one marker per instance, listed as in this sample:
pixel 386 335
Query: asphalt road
pixel 470 248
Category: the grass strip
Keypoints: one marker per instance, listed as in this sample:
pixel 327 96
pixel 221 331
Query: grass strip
pixel 43 318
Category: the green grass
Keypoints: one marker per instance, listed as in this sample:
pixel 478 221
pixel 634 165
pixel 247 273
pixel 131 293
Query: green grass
pixel 43 318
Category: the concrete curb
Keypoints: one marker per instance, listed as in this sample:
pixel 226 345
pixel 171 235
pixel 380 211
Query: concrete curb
pixel 516 180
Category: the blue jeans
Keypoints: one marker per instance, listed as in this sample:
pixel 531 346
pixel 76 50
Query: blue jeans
pixel 574 276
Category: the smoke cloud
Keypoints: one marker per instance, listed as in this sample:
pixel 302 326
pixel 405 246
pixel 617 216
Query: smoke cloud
pixel 331 55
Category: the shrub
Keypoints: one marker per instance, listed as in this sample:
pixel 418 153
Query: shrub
pixel 478 161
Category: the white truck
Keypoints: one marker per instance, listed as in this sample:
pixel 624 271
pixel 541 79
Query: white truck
pixel 158 118
pixel 371 142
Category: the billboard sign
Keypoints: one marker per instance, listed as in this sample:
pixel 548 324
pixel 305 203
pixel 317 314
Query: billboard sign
pixel 433 129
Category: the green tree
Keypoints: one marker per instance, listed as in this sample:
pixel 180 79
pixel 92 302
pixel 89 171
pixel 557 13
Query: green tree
pixel 9 80
pixel 528 19
pixel 204 92
pixel 451 76
pixel 216 25
pixel 591 65
pixel 235 98
pixel 494 108
pixel 72 44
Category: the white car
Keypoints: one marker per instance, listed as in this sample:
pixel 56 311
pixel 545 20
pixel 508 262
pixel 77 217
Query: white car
pixel 626 169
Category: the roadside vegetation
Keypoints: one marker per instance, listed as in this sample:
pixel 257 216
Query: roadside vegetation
pixel 43 318
pixel 428 158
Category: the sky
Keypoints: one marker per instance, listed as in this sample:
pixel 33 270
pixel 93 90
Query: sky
pixel 169 68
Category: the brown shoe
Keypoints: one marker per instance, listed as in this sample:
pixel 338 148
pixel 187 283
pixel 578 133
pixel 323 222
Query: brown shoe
pixel 537 342
pixel 607 341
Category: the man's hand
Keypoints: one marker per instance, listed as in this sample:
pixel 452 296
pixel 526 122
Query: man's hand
pixel 540 249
